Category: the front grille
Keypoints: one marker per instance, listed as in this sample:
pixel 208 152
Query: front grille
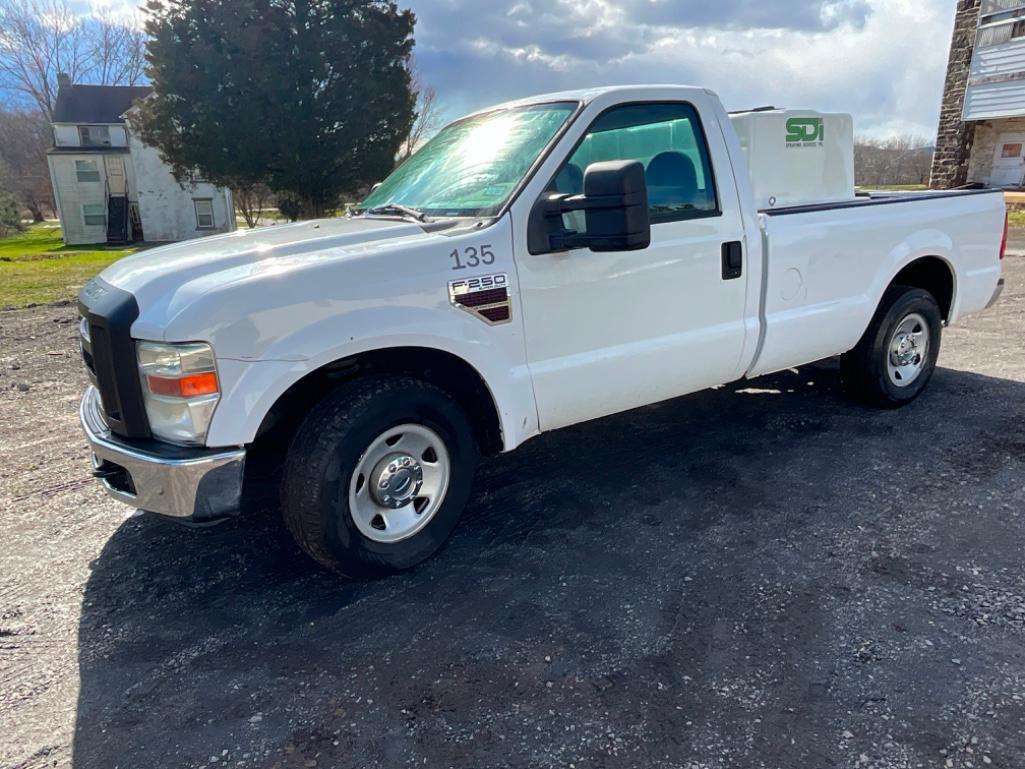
pixel 108 351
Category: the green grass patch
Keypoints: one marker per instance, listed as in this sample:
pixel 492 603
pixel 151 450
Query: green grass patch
pixel 37 268
pixel 1016 218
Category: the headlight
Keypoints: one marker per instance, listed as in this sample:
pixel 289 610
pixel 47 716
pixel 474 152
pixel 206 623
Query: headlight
pixel 180 389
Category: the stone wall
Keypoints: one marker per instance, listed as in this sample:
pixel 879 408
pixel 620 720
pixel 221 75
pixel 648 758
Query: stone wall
pixel 955 138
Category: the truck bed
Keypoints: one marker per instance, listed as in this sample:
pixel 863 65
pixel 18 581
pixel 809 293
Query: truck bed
pixel 826 266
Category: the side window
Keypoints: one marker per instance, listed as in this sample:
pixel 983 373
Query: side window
pixel 668 140
pixel 87 171
pixel 94 135
pixel 94 214
pixel 204 213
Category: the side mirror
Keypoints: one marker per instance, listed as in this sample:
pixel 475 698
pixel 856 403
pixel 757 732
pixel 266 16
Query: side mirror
pixel 615 206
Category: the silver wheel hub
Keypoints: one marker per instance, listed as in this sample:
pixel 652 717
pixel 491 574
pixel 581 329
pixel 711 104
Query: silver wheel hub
pixel 396 480
pixel 399 483
pixel 908 351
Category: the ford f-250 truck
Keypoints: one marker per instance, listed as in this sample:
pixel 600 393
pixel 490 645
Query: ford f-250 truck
pixel 535 265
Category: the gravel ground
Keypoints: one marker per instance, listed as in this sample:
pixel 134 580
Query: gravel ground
pixel 759 576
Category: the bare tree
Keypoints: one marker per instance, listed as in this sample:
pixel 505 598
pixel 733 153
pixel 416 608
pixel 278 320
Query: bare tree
pixel 428 117
pixel 26 138
pixel 10 214
pixel 116 49
pixel 900 160
pixel 40 39
pixel 251 200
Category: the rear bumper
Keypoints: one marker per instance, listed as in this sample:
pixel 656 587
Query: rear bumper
pixel 193 485
pixel 996 294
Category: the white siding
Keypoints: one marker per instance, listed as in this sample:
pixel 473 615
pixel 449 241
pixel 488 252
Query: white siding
pixel 118 136
pixel 66 135
pixel 167 208
pixel 1005 59
pixel 72 194
pixel 987 101
pixel 996 86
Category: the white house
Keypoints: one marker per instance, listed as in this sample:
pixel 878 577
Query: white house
pixel 110 187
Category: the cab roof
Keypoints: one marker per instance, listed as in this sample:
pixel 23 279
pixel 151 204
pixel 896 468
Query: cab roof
pixel 587 95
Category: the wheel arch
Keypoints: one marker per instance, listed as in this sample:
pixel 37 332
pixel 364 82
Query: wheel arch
pixel 447 370
pixel 934 274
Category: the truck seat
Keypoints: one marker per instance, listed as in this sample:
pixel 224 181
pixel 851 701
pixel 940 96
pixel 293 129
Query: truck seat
pixel 569 181
pixel 672 181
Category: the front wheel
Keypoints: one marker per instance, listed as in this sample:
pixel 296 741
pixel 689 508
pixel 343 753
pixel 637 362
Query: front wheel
pixel 378 475
pixel 896 357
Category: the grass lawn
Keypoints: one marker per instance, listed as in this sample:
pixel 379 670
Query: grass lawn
pixel 1016 218
pixel 37 268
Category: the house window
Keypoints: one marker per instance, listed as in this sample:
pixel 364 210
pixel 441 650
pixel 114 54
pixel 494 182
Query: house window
pixel 94 135
pixel 989 7
pixel 94 215
pixel 87 171
pixel 994 35
pixel 998 30
pixel 1011 151
pixel 204 214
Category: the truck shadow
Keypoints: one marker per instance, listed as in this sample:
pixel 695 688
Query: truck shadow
pixel 588 606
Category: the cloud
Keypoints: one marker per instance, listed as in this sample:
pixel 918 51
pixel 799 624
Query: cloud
pixel 749 14
pixel 882 60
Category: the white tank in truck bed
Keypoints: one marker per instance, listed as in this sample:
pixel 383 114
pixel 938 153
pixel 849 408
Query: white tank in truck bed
pixel 797 157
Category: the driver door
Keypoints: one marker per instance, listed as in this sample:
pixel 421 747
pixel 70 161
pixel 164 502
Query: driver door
pixel 608 332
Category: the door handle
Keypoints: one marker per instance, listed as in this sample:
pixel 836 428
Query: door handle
pixel 732 260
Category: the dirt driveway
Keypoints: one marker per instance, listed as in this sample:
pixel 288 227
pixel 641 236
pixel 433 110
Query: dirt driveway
pixel 760 576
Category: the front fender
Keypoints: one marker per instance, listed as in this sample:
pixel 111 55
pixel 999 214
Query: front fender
pixel 251 388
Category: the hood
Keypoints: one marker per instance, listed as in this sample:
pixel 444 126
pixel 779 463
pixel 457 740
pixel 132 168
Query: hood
pixel 165 279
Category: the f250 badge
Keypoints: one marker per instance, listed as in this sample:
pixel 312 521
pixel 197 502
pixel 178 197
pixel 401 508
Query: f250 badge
pixel 486 297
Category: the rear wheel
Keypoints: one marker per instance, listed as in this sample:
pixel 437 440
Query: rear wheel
pixel 378 475
pixel 896 357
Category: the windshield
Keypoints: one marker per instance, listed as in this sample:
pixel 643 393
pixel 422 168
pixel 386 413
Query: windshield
pixel 472 166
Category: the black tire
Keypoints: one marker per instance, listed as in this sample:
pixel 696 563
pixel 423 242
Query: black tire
pixel 326 451
pixel 864 370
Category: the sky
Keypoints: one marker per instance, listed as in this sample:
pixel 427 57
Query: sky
pixel 884 61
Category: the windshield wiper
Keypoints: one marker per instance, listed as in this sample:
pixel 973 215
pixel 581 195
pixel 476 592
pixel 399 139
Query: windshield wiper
pixel 397 208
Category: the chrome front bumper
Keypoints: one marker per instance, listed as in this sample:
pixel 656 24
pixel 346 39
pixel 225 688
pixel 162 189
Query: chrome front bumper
pixel 197 485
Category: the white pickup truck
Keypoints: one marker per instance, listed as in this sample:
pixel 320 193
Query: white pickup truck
pixel 535 265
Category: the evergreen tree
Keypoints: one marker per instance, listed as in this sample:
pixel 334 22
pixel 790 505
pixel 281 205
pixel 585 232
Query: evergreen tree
pixel 312 97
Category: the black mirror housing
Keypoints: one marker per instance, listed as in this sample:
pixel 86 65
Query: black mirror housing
pixel 615 205
pixel 622 222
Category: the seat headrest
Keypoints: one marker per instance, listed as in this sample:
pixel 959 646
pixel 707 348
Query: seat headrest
pixel 570 180
pixel 673 169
